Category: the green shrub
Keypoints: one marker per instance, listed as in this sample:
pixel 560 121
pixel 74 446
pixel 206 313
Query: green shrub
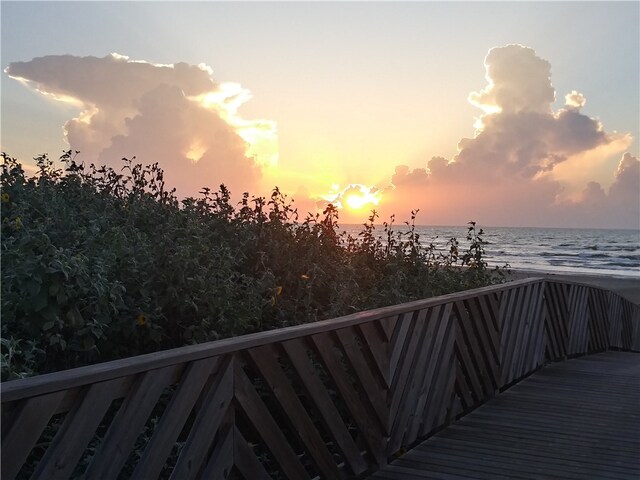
pixel 99 264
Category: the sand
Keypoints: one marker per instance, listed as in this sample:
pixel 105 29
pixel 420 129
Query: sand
pixel 628 287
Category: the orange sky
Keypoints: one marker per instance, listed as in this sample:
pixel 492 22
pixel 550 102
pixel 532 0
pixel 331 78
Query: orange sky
pixel 506 126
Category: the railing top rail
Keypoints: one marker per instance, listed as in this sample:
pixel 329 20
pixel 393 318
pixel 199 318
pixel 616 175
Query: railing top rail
pixel 77 377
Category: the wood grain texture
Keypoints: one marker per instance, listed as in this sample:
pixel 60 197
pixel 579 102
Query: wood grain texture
pixel 333 399
pixel 575 420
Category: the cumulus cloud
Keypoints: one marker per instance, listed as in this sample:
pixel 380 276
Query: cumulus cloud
pixel 176 115
pixel 505 174
pixel 574 99
pixel 519 81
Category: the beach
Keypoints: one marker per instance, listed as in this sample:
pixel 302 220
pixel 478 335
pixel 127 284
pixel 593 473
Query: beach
pixel 626 286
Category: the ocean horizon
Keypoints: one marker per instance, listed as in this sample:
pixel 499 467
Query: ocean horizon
pixel 591 251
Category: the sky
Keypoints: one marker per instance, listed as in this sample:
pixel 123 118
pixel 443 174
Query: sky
pixel 505 113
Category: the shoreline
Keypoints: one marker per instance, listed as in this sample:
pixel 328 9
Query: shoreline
pixel 626 286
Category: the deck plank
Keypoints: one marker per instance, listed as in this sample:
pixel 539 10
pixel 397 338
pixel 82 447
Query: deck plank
pixel 576 419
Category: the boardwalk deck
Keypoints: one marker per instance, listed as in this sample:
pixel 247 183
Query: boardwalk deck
pixel 579 419
pixel 339 398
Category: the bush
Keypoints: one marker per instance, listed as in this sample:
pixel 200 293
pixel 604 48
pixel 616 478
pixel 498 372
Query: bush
pixel 99 264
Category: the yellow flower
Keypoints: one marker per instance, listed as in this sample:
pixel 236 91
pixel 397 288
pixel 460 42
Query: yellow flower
pixel 273 301
pixel 5 197
pixel 305 277
pixel 278 290
pixel 141 320
pixel 18 223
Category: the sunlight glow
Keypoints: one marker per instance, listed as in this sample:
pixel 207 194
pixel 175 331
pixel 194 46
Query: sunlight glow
pixel 195 152
pixel 261 136
pixel 354 197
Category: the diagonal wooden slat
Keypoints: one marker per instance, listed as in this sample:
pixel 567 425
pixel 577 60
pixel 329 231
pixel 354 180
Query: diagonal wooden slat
pixel 578 319
pixel 514 330
pixel 528 338
pixel 378 347
pixel 439 354
pixel 615 320
pixel 397 343
pixel 388 325
pixel 598 307
pixel 346 393
pixel 415 334
pixel 629 332
pixel 78 428
pixel 318 393
pixel 554 323
pixel 634 345
pixel 468 374
pixel 538 345
pixel 245 460
pixel 372 433
pixel 209 417
pixel 409 395
pixel 128 423
pixel 375 391
pixel 265 359
pixel 221 461
pixel 486 344
pixel 258 414
pixel 440 403
pixel 174 417
pixel 25 430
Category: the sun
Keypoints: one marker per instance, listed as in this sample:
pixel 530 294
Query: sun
pixel 355 201
pixel 354 197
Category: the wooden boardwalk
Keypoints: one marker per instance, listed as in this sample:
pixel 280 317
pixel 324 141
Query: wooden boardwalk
pixel 579 419
pixel 338 399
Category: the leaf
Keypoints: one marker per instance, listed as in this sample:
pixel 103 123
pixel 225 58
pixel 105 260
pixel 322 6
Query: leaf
pixel 74 318
pixel 40 300
pixel 48 326
pixel 88 343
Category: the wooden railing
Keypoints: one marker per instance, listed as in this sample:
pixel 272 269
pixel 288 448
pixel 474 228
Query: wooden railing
pixel 332 399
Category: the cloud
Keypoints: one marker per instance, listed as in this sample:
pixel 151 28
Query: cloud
pixel 519 81
pixel 625 190
pixel 506 173
pixel 176 115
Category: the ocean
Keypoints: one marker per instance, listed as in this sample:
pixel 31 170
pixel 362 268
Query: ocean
pixel 550 250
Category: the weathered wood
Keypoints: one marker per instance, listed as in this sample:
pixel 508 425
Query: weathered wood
pixel 128 423
pixel 368 383
pixel 245 460
pixel 412 338
pixel 78 428
pixel 555 322
pixel 598 332
pixel 174 418
pixel 533 431
pixel 318 393
pixel 374 390
pixel 222 460
pixel 251 404
pixel 371 431
pixel 438 382
pixel 397 344
pixel 25 430
pixel 76 377
pixel 265 359
pixel 407 395
pixel 378 349
pixel 577 319
pixel 209 417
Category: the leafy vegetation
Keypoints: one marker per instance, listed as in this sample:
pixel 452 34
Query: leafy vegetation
pixel 99 264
